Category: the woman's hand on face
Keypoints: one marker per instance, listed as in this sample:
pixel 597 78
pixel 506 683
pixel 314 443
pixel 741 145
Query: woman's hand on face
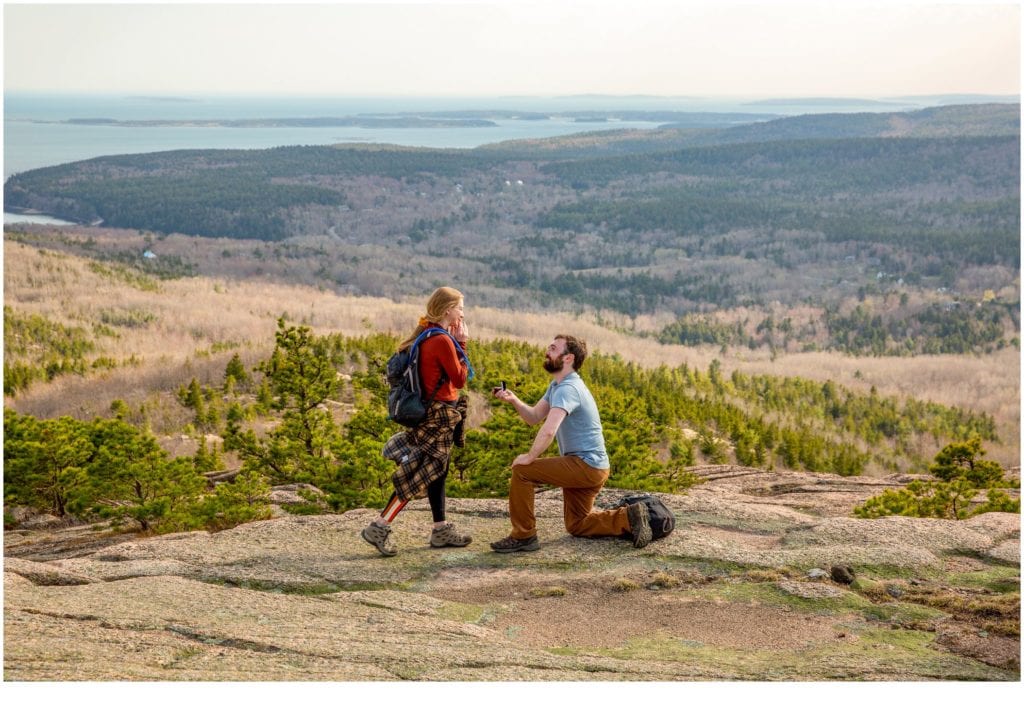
pixel 459 330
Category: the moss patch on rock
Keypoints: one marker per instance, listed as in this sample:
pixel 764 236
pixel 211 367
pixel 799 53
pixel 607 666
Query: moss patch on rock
pixel 858 654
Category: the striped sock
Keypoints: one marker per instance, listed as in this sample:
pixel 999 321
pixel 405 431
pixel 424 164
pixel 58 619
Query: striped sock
pixel 394 507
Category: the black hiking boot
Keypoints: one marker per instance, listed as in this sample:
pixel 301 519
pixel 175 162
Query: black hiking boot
pixel 639 525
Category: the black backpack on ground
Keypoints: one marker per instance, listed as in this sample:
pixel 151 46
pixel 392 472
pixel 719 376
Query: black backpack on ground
pixel 406 405
pixel 663 521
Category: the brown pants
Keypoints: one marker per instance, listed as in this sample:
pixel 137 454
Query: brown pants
pixel 580 484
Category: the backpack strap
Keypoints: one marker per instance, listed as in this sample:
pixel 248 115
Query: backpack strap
pixel 427 333
pixel 440 383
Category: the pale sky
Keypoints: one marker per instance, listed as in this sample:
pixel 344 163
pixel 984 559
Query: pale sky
pixel 558 47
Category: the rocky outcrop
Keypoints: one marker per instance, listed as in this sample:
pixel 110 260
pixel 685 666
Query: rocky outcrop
pixel 727 596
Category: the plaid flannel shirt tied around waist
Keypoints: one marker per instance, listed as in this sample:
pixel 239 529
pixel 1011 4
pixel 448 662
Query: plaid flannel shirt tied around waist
pixel 422 452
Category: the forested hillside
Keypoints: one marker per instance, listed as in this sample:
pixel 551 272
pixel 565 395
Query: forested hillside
pixel 879 234
pixel 314 412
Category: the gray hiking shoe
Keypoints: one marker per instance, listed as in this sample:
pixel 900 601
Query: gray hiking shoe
pixel 447 536
pixel 639 525
pixel 380 538
pixel 511 545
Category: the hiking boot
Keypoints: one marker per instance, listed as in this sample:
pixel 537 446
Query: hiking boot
pixel 511 545
pixel 448 537
pixel 380 538
pixel 639 525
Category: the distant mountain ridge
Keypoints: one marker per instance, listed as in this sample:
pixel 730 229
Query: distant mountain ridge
pixel 956 120
pixel 827 101
pixel 994 119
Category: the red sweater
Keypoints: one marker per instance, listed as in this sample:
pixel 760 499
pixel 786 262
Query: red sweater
pixel 439 352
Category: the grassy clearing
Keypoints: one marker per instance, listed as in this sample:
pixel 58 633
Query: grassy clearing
pixel 995 613
pixel 541 592
pixel 760 526
pixel 705 568
pixel 664 580
pixel 475 614
pixel 319 589
pixel 860 654
pixel 313 589
pixel 997 578
pixel 769 594
pixel 892 572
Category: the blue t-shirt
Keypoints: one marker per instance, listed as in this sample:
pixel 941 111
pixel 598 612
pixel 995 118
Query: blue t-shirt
pixel 580 433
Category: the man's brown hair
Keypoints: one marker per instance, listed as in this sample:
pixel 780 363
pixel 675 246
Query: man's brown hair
pixel 578 348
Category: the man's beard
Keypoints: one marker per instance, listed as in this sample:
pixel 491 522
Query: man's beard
pixel 552 365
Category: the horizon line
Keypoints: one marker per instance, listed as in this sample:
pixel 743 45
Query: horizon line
pixel 616 96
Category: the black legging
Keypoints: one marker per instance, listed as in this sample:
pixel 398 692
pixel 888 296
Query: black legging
pixel 435 495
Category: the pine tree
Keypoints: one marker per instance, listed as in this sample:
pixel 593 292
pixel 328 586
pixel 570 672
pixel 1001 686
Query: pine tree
pixel 235 374
pixel 960 474
pixel 245 499
pixel 300 376
pixel 43 460
pixel 131 476
pixel 207 460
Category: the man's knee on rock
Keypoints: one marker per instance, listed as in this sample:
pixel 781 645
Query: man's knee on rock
pixel 517 472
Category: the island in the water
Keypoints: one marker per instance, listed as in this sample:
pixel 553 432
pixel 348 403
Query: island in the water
pixel 364 122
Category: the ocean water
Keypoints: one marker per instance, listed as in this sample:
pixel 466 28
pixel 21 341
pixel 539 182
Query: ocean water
pixel 35 137
pixel 29 145
pixel 12 218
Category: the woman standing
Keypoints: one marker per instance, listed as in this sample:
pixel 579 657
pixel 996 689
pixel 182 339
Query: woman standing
pixel 423 452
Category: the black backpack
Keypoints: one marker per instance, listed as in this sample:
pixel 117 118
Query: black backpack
pixel 663 521
pixel 406 404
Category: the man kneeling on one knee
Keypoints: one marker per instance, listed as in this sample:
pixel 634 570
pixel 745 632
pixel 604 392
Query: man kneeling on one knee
pixel 567 411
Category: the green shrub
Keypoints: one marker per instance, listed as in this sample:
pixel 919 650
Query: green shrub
pixel 107 468
pixel 960 474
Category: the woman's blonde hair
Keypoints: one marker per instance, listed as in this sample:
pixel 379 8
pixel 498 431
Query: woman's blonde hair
pixel 442 299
